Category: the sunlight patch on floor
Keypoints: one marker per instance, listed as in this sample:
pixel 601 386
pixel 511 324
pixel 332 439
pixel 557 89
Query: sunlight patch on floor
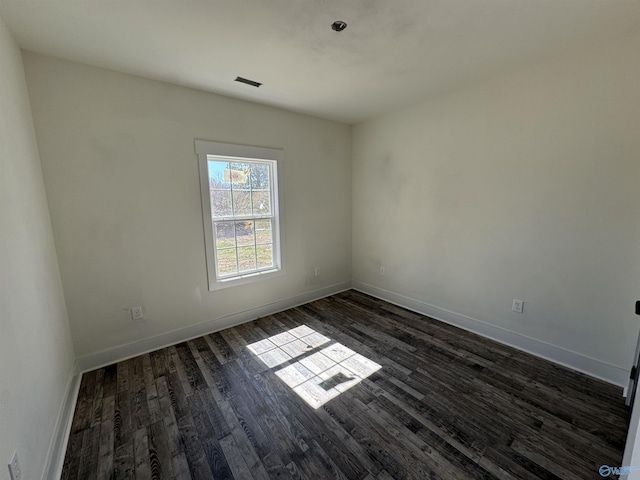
pixel 319 377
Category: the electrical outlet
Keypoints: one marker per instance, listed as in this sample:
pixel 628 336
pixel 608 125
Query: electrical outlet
pixel 383 271
pixel 316 272
pixel 517 306
pixel 14 467
pixel 136 313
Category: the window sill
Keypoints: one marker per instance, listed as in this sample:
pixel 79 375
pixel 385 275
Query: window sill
pixel 245 279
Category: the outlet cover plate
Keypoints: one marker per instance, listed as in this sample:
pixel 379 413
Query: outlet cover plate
pixel 136 313
pixel 518 306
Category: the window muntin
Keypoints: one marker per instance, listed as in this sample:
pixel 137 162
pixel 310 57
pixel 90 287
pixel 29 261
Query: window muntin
pixel 240 212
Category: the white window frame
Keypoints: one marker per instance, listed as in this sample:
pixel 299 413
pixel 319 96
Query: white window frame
pixel 239 153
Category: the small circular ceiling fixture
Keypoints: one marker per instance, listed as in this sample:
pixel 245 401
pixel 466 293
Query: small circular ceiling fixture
pixel 338 26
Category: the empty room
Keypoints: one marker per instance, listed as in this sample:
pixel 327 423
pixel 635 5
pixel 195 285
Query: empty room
pixel 298 239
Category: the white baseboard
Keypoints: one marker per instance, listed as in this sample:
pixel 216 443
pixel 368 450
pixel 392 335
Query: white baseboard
pixel 58 446
pixel 107 357
pixel 576 361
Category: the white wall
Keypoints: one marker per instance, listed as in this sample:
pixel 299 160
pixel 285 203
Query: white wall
pixel 122 175
pixel 527 187
pixel 36 354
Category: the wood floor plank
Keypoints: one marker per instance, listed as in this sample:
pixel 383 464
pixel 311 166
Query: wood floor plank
pixel 122 376
pixel 179 370
pixel 190 368
pixel 464 437
pixel 122 427
pixel 82 414
pixel 405 447
pixel 263 416
pixel 159 452
pixel 98 396
pixel 194 451
pixel 105 451
pixel 169 422
pixel 397 396
pixel 444 459
pixel 180 467
pixel 243 437
pixel 314 430
pixel 247 431
pixel 308 431
pixel 136 373
pixel 124 465
pixel 546 459
pixel 507 464
pixel 110 381
pixel 72 461
pixel 375 444
pixel 336 437
pixel 213 452
pixel 159 362
pixel 141 453
pixel 220 347
pixel 234 457
pixel 139 408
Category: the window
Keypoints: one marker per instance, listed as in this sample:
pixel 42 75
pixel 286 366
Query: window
pixel 240 207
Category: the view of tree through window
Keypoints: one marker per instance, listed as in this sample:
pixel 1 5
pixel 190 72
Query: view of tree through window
pixel 242 213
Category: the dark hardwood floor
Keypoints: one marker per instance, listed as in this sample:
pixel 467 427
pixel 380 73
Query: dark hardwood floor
pixel 347 387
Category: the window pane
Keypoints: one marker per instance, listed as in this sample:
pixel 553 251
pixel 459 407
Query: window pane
pixel 265 256
pixel 261 202
pixel 219 190
pixel 246 259
pixel 225 235
pixel 263 231
pixel 227 261
pixel 238 174
pixel 244 233
pixel 241 201
pixel 261 185
pixel 260 176
pixel 221 203
pixel 217 171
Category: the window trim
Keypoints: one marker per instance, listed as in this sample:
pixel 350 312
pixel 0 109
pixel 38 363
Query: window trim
pixel 204 148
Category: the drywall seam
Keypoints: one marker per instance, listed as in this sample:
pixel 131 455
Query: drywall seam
pixel 133 349
pixel 62 430
pixel 576 361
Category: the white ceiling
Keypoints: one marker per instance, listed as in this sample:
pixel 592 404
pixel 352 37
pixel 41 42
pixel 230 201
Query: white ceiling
pixel 393 52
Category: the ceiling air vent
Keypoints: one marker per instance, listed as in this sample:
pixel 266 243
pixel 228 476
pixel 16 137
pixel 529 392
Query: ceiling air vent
pixel 248 82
